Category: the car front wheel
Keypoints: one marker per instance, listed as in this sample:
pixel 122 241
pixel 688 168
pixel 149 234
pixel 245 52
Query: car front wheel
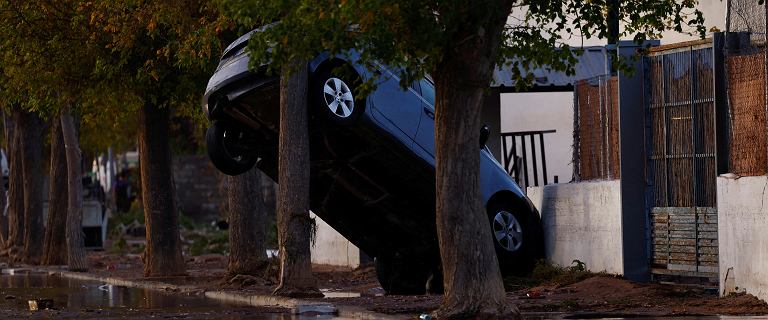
pixel 517 237
pixel 227 148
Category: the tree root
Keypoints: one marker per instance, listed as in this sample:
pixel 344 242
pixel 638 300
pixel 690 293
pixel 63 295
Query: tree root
pixel 245 280
pixel 13 253
pixel 259 268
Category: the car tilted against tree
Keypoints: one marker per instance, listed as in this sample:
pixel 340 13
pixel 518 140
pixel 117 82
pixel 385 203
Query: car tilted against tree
pixel 372 162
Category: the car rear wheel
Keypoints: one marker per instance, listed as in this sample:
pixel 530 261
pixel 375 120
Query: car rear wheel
pixel 227 148
pixel 333 92
pixel 399 275
pixel 517 237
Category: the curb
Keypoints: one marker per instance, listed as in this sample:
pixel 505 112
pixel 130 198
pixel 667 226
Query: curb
pixel 141 284
pixel 297 306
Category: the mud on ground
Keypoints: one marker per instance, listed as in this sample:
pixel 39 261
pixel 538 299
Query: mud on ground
pixel 599 293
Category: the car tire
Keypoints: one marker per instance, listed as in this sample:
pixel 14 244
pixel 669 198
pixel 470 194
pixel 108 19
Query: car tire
pixel 225 153
pixel 399 275
pixel 517 238
pixel 334 95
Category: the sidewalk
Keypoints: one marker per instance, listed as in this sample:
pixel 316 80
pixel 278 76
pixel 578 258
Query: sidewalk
pixel 355 293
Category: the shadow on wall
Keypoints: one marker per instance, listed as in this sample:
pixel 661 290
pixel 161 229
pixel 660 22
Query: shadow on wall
pixel 582 221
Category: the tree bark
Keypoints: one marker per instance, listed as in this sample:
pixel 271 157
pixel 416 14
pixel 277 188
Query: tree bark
pixel 76 259
pixel 471 277
pixel 247 224
pixel 3 211
pixel 32 166
pixel 15 239
pixel 162 256
pixel 293 221
pixel 54 248
pixel 8 135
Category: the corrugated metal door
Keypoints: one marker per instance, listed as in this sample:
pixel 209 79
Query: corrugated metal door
pixel 682 162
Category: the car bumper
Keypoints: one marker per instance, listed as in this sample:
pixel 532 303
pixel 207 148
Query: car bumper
pixel 232 79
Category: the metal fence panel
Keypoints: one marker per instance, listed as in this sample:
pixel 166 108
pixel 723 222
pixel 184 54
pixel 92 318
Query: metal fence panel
pixel 682 113
pixel 682 161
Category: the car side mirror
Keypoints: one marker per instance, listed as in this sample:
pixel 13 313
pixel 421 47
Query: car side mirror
pixel 485 132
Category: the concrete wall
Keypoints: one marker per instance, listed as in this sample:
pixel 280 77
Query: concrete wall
pixel 582 221
pixel 331 248
pixel 742 206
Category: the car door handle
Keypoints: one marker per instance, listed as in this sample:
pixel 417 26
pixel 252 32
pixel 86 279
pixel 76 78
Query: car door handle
pixel 430 113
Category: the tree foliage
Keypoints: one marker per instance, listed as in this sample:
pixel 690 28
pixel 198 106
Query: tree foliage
pixel 107 61
pixel 105 58
pixel 416 34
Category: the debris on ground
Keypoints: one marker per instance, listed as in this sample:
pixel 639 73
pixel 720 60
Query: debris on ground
pixel 244 280
pixel 40 304
pixel 549 289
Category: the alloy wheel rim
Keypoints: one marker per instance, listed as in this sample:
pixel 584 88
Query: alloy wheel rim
pixel 507 231
pixel 338 97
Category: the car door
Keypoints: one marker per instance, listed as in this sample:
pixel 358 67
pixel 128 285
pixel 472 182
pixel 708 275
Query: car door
pixel 425 137
pixel 397 107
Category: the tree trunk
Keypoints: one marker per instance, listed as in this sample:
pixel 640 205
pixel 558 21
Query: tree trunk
pixel 293 221
pixel 32 166
pixel 247 224
pixel 471 277
pixel 54 249
pixel 8 135
pixel 15 239
pixel 3 211
pixel 162 256
pixel 76 260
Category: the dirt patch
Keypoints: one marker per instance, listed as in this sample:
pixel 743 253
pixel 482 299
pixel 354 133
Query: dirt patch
pixel 617 295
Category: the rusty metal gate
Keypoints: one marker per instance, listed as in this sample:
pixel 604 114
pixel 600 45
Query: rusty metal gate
pixel 682 159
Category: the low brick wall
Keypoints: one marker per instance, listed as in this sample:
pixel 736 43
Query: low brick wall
pixel 197 187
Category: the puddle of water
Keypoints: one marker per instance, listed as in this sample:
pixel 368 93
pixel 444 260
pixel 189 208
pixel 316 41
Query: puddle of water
pixel 90 299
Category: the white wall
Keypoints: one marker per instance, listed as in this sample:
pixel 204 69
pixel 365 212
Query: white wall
pixel 582 221
pixel 544 111
pixel 331 248
pixel 742 206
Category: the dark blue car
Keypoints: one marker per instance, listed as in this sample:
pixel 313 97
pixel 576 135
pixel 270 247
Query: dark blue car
pixel 372 163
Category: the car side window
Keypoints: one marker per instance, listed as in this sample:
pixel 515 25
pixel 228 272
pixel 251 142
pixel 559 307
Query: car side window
pixel 427 91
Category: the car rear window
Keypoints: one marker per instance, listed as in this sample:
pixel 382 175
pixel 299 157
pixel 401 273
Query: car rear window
pixel 427 91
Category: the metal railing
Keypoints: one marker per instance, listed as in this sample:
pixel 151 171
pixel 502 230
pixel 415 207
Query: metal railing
pixel 521 159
